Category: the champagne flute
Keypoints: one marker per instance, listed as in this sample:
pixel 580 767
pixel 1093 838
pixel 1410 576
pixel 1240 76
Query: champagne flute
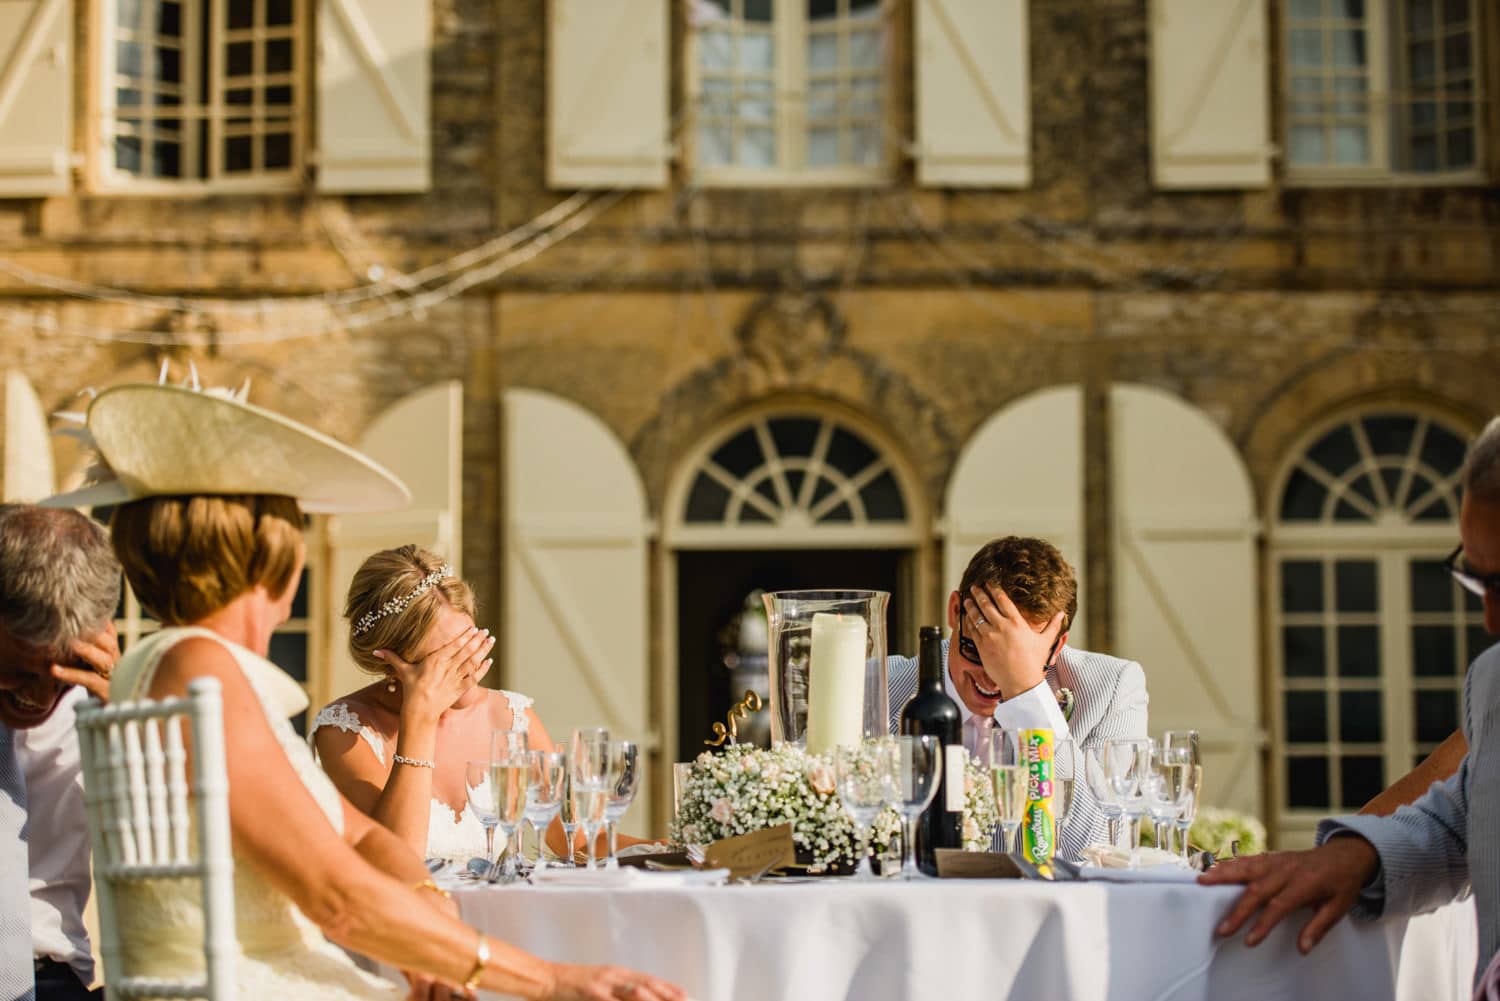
pixel 1097 776
pixel 590 762
pixel 567 816
pixel 482 802
pixel 860 776
pixel 544 794
pixel 509 777
pixel 1189 810
pixel 624 780
pixel 506 745
pixel 1127 762
pixel 1184 741
pixel 1066 766
pixel 911 783
pixel 1008 779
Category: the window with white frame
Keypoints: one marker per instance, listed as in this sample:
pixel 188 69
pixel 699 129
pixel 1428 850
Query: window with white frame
pixel 1384 87
pixel 208 92
pixel 1371 635
pixel 789 90
pixel 292 644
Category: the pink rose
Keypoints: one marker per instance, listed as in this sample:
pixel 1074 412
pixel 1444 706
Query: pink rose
pixel 722 810
pixel 820 777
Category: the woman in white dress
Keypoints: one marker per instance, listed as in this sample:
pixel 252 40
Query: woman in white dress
pixel 216 557
pixel 397 748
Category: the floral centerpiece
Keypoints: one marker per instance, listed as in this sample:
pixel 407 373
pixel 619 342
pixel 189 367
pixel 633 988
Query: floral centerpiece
pixel 746 788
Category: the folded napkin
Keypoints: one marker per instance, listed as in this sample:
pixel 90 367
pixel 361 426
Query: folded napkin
pixel 1154 866
pixel 1110 857
pixel 627 876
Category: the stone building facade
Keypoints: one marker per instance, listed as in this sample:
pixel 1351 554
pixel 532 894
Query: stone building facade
pixel 913 313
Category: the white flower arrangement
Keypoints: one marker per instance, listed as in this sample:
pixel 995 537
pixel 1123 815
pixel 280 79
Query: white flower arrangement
pixel 746 788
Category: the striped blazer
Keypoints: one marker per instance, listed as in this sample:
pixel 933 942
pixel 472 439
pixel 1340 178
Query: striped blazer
pixel 1109 703
pixel 1450 838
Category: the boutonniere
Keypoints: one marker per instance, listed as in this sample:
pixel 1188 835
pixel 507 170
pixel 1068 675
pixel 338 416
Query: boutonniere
pixel 1066 702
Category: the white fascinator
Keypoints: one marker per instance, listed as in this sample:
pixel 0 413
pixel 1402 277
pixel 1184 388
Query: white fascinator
pixel 154 439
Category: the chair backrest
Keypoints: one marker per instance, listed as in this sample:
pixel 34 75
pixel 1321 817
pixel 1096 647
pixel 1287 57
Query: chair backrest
pixel 139 800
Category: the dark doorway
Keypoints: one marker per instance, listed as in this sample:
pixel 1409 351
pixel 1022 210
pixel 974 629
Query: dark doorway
pixel 711 589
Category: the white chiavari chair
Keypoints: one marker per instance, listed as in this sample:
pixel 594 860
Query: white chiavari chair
pixel 147 822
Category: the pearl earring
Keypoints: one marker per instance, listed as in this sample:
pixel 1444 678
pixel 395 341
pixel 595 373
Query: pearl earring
pixel 390 684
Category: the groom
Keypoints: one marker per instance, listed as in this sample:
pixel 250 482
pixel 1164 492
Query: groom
pixel 1011 666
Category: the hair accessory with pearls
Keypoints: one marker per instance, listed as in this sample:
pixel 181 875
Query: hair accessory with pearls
pixel 397 605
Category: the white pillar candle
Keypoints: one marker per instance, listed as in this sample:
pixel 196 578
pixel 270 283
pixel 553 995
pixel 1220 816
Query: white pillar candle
pixel 836 682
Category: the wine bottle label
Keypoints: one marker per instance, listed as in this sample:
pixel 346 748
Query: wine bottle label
pixel 1037 826
pixel 953 778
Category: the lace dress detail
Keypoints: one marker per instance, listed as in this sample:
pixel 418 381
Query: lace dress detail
pixel 455 837
pixel 282 954
pixel 340 716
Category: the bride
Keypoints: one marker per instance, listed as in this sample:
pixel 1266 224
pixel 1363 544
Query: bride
pixel 210 537
pixel 397 748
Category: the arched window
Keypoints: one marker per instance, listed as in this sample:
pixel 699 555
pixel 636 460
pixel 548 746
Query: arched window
pixel 794 471
pixel 1371 637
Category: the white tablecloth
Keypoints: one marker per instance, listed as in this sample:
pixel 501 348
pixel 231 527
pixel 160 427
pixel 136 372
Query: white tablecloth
pixel 964 940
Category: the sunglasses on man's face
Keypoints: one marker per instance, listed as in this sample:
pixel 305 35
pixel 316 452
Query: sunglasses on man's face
pixel 1477 584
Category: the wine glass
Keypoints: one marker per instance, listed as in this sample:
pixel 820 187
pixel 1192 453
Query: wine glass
pixel 567 816
pixel 544 793
pixel 1097 776
pixel 624 779
pixel 860 776
pixel 589 763
pixel 482 802
pixel 510 774
pixel 1189 810
pixel 1166 789
pixel 1126 764
pixel 1008 778
pixel 911 782
pixel 1066 768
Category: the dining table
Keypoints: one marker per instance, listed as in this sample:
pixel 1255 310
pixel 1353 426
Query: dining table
pixel 888 940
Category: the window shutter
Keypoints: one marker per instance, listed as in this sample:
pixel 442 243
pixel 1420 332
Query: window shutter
pixel 607 94
pixel 373 80
pixel 1209 102
pixel 36 97
pixel 973 85
pixel 27 466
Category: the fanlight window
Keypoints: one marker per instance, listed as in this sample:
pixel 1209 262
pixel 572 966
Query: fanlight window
pixel 1372 636
pixel 795 472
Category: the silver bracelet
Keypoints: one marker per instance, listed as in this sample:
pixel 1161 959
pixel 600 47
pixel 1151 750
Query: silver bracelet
pixel 414 762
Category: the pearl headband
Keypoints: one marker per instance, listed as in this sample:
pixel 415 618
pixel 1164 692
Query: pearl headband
pixel 397 605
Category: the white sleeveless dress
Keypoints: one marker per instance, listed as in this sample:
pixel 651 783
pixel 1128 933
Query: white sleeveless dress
pixel 282 954
pixel 450 836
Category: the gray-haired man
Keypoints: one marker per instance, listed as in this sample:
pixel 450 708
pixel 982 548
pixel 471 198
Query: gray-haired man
pixel 1424 854
pixel 59 584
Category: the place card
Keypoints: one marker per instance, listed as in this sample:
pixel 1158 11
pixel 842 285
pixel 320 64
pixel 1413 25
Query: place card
pixel 752 854
pixel 954 863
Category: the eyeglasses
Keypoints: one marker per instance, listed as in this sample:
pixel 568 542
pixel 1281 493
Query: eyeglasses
pixel 969 652
pixel 1474 583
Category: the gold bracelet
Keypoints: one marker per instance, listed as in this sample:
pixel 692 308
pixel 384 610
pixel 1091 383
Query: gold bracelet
pixel 428 884
pixel 481 960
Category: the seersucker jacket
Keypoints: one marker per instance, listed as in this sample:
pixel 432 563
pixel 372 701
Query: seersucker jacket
pixel 1450 838
pixel 1109 703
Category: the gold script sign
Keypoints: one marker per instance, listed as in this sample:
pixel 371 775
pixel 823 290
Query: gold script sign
pixel 752 854
pixel 744 707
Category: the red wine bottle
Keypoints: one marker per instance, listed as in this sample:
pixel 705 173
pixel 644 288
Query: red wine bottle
pixel 932 712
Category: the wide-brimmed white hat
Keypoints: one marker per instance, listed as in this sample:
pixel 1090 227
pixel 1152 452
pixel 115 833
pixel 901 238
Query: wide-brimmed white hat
pixel 154 440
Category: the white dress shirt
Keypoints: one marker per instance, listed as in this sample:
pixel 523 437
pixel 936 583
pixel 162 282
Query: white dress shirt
pixel 1034 709
pixel 58 838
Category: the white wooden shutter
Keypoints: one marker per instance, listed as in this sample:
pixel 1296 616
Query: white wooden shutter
pixel 1021 474
pixel 575 573
pixel 36 97
pixel 28 467
pixel 373 80
pixel 973 93
pixel 420 439
pixel 607 118
pixel 1185 589
pixel 1210 117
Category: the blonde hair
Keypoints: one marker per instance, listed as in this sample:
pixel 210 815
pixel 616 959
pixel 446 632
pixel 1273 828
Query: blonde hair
pixel 391 575
pixel 186 557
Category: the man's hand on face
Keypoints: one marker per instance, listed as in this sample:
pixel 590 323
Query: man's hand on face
pixel 94 659
pixel 1014 652
pixel 1327 878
